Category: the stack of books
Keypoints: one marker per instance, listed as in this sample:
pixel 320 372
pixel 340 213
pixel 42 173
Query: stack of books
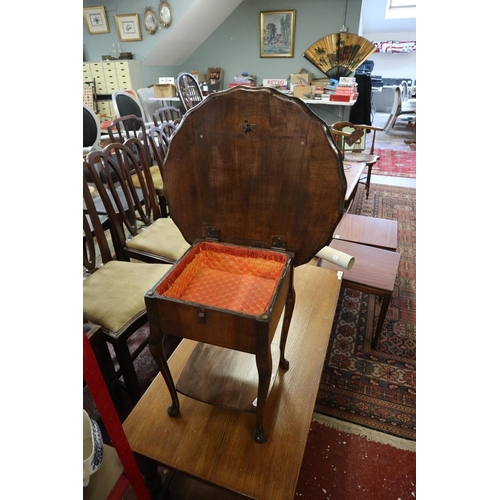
pixel 243 79
pixel 346 90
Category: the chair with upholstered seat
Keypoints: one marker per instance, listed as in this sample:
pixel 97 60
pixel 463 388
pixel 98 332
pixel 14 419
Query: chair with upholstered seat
pixel 125 127
pixel 139 231
pixel 189 90
pixel 113 293
pixel 354 148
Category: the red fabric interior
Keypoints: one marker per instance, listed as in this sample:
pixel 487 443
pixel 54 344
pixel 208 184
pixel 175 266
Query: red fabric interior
pixel 227 277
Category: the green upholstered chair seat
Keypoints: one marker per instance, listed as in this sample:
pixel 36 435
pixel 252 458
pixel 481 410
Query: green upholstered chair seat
pixel 161 238
pixel 157 180
pixel 113 296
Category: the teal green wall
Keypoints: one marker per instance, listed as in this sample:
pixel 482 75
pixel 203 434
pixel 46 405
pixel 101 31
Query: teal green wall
pixel 234 46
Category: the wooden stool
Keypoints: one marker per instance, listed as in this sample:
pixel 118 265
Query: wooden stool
pixel 374 272
pixel 373 231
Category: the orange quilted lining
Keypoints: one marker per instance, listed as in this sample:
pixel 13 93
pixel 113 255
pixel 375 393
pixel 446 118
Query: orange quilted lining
pixel 226 277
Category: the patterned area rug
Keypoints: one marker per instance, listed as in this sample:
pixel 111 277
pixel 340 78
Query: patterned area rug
pixel 377 388
pixel 396 163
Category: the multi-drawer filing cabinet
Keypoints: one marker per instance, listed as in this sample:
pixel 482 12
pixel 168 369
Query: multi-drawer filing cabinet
pixel 110 76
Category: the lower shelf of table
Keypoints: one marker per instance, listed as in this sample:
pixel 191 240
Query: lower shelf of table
pixel 224 377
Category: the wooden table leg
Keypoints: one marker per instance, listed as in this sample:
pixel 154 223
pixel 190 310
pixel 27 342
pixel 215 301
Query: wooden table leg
pixel 386 300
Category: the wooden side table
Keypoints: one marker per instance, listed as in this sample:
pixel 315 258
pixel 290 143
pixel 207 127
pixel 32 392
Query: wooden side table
pixel 215 444
pixel 374 272
pixel 373 231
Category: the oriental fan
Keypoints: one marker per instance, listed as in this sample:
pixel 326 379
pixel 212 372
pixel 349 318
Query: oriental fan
pixel 339 54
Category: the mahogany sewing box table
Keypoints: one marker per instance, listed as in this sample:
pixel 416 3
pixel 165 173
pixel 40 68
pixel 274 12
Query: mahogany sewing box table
pixel 256 185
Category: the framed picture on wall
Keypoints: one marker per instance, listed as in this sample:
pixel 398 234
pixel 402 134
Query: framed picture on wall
pixel 129 29
pixel 95 19
pixel 277 33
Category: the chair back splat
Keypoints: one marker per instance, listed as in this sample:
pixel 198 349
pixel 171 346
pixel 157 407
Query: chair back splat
pixel 189 90
pixel 167 114
pixel 127 189
pixel 128 126
pixel 159 140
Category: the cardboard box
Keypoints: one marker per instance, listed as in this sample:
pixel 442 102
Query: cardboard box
pixel 165 90
pixel 301 78
pixel 300 90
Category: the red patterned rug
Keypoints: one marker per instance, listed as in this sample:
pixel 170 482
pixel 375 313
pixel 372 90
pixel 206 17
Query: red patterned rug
pixel 396 163
pixel 377 388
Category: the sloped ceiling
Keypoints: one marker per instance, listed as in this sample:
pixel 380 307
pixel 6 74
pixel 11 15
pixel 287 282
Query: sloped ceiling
pixel 189 32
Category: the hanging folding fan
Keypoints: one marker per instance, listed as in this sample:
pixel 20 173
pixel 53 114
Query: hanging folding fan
pixel 339 54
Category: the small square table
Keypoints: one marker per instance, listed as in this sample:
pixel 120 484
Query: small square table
pixel 374 272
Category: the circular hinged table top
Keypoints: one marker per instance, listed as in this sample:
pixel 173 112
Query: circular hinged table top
pixel 254 164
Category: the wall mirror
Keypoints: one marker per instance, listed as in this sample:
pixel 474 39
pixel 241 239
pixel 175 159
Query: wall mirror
pixel 150 20
pixel 165 14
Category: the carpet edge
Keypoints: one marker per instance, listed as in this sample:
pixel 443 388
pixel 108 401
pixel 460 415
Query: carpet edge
pixel 369 434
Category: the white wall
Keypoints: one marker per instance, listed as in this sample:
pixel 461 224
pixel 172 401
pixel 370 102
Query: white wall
pixel 394 65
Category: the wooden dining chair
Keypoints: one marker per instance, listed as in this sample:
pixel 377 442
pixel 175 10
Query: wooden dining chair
pixel 189 90
pixel 354 146
pixel 138 229
pixel 159 140
pixel 113 292
pixel 125 127
pixel 167 114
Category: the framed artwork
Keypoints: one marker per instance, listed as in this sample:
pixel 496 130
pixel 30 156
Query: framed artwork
pixel 165 14
pixel 95 19
pixel 150 20
pixel 277 33
pixel 129 29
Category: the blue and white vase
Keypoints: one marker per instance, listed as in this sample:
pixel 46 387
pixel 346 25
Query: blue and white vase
pixel 92 447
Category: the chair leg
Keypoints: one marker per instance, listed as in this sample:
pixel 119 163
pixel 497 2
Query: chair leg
pixel 163 205
pixel 126 364
pixel 389 120
pixel 383 311
pixel 368 179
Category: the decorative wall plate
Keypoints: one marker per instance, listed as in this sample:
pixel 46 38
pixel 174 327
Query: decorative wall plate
pixel 150 20
pixel 165 14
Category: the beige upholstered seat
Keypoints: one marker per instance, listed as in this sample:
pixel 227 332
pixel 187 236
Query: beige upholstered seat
pixel 161 238
pixel 113 292
pixel 113 297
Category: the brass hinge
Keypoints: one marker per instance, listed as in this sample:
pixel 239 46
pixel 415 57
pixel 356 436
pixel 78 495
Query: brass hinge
pixel 213 234
pixel 278 243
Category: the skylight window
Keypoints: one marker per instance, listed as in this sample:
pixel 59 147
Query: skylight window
pixel 401 9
